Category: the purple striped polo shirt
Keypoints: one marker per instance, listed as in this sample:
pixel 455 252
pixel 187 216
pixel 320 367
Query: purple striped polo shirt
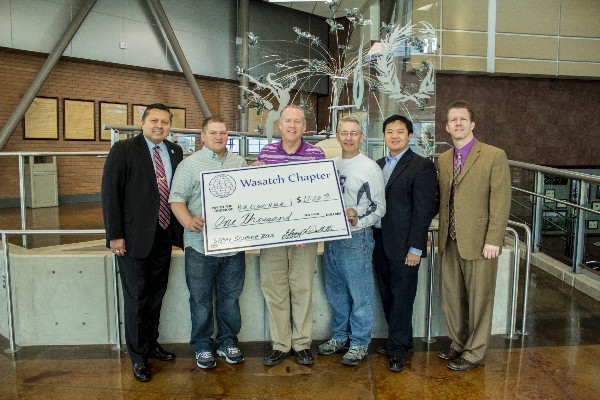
pixel 273 153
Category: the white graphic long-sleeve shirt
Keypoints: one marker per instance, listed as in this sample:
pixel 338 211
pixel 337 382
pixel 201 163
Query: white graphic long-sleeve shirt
pixel 363 188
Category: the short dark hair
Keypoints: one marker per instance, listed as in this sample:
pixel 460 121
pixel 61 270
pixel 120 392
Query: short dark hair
pixel 157 106
pixel 461 104
pixel 401 118
pixel 214 118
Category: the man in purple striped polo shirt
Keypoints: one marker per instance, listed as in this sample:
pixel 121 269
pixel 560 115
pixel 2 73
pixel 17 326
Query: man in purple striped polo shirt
pixel 286 272
pixel 292 146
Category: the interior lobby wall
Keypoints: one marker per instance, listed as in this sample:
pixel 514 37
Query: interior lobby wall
pixel 533 37
pixel 547 121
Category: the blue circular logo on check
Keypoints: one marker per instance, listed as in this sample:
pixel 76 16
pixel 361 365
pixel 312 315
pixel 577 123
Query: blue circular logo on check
pixel 221 186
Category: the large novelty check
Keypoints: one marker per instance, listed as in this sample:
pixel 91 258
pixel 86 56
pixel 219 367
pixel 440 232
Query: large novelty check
pixel 272 205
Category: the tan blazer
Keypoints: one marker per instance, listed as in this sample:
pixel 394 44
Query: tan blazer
pixel 481 200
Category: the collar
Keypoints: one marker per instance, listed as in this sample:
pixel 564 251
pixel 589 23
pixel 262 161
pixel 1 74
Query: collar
pixel 465 150
pixel 211 154
pixel 298 150
pixel 162 147
pixel 389 158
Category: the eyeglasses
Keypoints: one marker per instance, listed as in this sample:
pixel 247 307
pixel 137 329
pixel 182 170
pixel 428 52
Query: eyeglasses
pixel 346 133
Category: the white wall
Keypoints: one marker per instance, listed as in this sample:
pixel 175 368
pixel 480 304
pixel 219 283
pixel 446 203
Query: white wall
pixel 205 29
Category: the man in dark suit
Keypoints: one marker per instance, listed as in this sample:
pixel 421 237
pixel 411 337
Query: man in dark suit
pixel 401 235
pixel 475 196
pixel 140 229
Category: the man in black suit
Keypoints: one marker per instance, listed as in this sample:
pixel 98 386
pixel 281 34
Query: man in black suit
pixel 140 229
pixel 401 235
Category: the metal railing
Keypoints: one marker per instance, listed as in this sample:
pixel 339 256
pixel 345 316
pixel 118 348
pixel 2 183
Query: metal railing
pixel 512 334
pixel 21 157
pixel 527 230
pixel 512 321
pixel 370 143
pixel 581 184
pixel 430 286
pixel 116 130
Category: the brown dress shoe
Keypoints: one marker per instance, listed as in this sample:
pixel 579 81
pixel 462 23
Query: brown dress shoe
pixel 460 364
pixel 449 354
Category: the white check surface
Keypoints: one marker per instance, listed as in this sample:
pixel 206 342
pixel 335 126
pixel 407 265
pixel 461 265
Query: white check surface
pixel 272 205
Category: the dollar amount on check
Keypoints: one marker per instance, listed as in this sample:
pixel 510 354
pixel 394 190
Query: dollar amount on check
pixel 272 205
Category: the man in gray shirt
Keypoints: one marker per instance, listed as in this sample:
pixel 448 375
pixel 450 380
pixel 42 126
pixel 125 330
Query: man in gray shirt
pixel 204 273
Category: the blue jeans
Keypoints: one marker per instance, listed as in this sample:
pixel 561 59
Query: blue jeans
pixel 349 284
pixel 225 276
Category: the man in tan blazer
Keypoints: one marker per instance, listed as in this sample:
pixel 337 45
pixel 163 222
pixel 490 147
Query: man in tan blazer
pixel 475 196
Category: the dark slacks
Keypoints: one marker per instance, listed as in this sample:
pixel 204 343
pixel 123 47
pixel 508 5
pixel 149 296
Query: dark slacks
pixel 398 288
pixel 144 282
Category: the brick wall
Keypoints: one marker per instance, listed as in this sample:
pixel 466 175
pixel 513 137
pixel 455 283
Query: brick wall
pixel 74 79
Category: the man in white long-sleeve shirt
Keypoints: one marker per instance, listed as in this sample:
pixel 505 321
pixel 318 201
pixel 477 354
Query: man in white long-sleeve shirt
pixel 347 269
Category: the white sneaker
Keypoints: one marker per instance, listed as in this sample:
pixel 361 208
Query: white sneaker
pixel 232 355
pixel 355 355
pixel 333 346
pixel 205 360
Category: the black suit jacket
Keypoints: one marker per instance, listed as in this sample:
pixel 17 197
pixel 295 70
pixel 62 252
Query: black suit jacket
pixel 130 198
pixel 410 196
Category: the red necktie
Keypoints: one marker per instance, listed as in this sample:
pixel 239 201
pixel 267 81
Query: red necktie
pixel 164 210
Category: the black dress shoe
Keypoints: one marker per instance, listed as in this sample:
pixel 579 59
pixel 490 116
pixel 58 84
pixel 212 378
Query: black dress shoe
pixel 305 357
pixel 449 354
pixel 396 363
pixel 141 372
pixel 275 357
pixel 161 354
pixel 460 364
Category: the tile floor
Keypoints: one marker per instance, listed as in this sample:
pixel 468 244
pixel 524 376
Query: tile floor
pixel 558 359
